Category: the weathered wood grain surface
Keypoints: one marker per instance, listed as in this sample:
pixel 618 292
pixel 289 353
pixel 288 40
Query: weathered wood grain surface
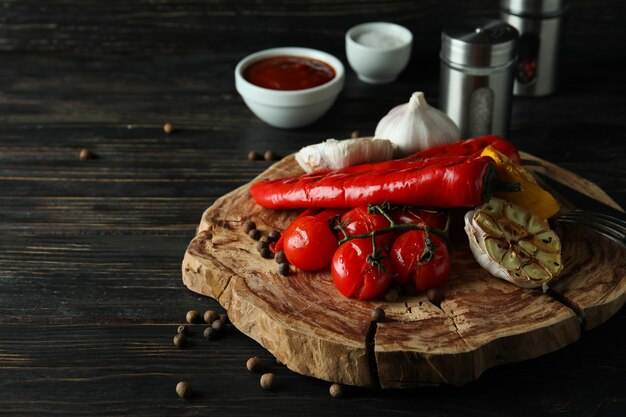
pixel 90 251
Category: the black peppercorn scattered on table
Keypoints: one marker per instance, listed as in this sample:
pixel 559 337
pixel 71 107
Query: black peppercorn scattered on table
pixel 91 242
pixel 180 340
pixel 210 316
pixel 269 381
pixel 183 389
pixel 254 364
pixel 193 316
pixel 85 154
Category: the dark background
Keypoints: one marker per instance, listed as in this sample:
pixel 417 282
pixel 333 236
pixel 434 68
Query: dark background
pixel 90 251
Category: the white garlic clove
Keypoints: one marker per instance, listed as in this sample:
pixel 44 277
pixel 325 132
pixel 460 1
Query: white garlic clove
pixel 537 225
pixel 415 126
pixel 487 223
pixel 527 247
pixel 549 261
pixel 336 154
pixel 547 241
pixel 535 272
pixel 511 261
pixel 496 249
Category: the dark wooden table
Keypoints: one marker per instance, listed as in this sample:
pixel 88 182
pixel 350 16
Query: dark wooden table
pixel 90 250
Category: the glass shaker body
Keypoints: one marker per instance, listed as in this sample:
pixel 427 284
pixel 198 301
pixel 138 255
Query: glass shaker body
pixel 476 75
pixel 540 24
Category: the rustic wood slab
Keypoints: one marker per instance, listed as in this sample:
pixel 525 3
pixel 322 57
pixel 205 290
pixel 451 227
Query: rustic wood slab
pixel 482 322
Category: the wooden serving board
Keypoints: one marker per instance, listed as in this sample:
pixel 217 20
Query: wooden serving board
pixel 482 321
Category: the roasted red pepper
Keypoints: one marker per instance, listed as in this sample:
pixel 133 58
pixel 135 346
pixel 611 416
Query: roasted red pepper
pixel 451 181
pixel 471 147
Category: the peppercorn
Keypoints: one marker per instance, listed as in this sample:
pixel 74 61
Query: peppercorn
pixel 210 333
pixel 268 381
pixel 378 314
pixel 210 316
pixel 180 341
pixel 224 318
pixel 254 364
pixel 168 128
pixel 336 390
pixel 85 154
pixel 280 257
pixel 249 225
pixel 266 252
pixel 265 239
pixel 255 234
pixel 274 235
pixel 435 296
pixel 218 325
pixel 182 329
pixel 253 156
pixel 283 268
pixel 183 389
pixel 269 156
pixel 193 316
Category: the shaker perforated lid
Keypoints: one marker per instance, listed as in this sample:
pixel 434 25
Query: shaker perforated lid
pixel 478 43
pixel 535 8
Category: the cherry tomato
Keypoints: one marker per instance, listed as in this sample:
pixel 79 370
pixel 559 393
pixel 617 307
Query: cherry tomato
pixel 359 221
pixel 325 215
pixel 421 217
pixel 406 253
pixel 309 243
pixel 353 273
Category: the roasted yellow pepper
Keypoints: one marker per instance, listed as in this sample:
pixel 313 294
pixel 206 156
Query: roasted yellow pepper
pixel 532 197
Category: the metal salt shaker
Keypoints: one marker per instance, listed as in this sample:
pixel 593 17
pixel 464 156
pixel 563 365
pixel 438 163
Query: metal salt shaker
pixel 540 24
pixel 477 61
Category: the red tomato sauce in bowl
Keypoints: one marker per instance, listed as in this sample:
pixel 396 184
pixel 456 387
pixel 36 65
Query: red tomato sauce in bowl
pixel 287 72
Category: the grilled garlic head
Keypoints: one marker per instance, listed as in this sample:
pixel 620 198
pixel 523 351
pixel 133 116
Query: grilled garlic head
pixel 513 244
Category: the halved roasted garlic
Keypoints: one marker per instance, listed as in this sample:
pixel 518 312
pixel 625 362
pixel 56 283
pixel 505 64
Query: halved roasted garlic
pixel 513 244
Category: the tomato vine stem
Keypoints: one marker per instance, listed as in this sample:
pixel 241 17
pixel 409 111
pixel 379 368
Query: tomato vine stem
pixel 383 209
pixel 393 227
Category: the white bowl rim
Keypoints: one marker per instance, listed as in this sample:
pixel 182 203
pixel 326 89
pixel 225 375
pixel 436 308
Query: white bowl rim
pixel 329 59
pixel 386 27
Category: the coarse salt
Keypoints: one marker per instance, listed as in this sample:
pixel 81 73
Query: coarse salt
pixel 377 39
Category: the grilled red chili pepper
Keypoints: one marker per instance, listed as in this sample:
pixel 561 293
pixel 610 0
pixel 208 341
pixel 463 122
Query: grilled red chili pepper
pixel 471 147
pixel 441 176
pixel 466 148
pixel 452 181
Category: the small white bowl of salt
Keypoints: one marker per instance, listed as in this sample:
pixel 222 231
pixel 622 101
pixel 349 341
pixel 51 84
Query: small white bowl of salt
pixel 378 51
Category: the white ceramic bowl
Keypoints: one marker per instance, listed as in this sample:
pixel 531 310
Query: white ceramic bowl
pixel 377 60
pixel 290 108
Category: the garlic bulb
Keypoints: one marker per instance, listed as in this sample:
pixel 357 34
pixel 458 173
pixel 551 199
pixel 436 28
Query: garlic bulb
pixel 415 126
pixel 336 154
pixel 513 244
